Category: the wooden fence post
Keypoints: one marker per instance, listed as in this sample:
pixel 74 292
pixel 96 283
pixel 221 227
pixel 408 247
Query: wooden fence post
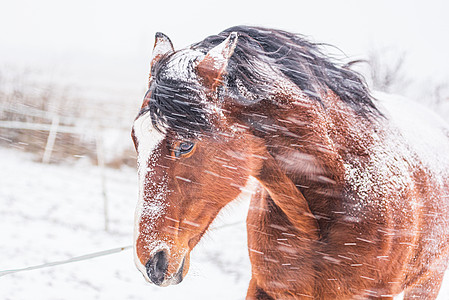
pixel 51 139
pixel 101 165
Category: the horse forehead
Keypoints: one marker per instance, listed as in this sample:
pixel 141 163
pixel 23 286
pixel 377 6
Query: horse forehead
pixel 181 66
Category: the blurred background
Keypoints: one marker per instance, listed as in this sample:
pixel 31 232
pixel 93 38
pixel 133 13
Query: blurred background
pixel 72 77
pixel 87 61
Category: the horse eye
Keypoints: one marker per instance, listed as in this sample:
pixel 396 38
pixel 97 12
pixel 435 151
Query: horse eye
pixel 183 148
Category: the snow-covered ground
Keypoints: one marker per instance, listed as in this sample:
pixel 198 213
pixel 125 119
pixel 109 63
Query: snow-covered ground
pixel 55 212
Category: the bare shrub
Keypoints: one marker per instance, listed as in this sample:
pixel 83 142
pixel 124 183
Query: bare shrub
pixel 386 70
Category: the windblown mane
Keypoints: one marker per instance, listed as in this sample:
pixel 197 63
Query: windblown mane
pixel 298 59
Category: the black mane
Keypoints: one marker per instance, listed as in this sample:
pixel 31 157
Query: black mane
pixel 298 59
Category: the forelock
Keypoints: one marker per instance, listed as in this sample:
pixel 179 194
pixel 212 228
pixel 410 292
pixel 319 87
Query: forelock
pixel 177 99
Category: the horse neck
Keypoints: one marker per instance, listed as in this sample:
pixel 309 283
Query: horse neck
pixel 310 142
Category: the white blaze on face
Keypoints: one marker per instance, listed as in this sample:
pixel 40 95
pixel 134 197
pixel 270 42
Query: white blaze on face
pixel 148 139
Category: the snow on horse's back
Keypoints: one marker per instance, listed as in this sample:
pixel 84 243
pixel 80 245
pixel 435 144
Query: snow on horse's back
pixel 426 133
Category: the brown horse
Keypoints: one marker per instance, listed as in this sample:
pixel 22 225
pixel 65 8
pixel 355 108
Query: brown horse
pixel 352 192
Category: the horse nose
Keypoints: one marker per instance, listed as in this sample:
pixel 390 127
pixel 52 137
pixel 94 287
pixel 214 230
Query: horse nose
pixel 157 266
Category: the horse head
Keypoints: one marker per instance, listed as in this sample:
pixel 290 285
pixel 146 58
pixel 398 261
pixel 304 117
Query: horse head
pixel 193 158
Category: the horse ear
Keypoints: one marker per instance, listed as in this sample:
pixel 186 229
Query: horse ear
pixel 162 46
pixel 213 66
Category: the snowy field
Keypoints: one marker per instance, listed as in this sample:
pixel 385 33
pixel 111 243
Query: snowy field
pixel 55 212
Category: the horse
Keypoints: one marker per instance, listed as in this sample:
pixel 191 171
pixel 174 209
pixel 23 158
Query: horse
pixel 352 186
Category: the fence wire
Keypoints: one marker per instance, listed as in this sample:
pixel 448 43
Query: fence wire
pixel 89 256
pixel 66 261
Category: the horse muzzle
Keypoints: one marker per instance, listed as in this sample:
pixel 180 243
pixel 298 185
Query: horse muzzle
pixel 157 270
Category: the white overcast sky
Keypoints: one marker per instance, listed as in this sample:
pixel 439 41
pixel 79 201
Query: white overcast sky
pixel 107 44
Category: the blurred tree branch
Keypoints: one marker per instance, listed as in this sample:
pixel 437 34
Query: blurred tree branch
pixel 387 71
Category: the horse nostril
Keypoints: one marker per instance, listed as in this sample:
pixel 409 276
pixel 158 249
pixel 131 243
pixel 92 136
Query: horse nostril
pixel 157 266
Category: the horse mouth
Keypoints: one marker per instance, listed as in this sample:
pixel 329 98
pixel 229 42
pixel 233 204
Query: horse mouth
pixel 178 277
pixel 174 279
